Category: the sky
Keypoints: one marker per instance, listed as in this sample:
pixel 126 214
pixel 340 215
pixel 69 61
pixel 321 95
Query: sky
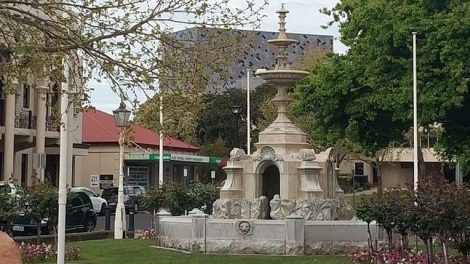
pixel 304 17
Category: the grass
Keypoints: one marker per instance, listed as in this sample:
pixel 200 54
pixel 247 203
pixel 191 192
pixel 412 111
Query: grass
pixel 141 252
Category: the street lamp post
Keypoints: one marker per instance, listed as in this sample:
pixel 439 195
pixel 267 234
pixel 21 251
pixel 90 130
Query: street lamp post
pixel 121 117
pixel 237 111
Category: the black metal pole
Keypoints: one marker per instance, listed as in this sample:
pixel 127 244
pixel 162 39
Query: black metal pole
pixel 131 228
pixel 237 131
pixel 107 218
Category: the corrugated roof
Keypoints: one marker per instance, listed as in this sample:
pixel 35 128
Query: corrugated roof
pixel 99 127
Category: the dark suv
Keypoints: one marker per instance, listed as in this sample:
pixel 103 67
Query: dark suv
pixel 80 216
pixel 132 194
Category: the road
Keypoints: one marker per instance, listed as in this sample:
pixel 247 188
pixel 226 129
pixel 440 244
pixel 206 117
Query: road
pixel 142 220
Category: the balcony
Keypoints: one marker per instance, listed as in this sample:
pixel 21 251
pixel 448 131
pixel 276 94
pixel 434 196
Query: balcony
pixel 52 124
pixel 25 120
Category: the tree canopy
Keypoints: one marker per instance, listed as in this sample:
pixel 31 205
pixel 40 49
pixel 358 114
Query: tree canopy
pixel 365 95
pixel 118 40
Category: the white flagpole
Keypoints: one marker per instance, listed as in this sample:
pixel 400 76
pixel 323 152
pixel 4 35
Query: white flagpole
pixel 160 161
pixel 415 118
pixel 248 118
pixel 63 163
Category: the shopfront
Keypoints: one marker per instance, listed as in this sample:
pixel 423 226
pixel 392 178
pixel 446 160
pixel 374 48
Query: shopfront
pixel 142 168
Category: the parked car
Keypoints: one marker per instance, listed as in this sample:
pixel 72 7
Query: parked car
pixel 99 204
pixel 11 188
pixel 132 194
pixel 80 216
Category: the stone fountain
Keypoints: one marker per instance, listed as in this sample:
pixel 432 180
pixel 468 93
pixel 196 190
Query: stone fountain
pixel 284 177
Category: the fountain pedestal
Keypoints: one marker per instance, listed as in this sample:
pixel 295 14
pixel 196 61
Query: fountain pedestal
pixel 283 169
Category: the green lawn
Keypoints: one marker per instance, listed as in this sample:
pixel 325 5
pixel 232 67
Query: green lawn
pixel 140 252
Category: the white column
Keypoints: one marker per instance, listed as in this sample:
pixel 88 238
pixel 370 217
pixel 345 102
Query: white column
pixel 248 118
pixel 41 90
pixel 9 139
pixel 415 118
pixel 160 161
pixel 63 164
pixel 120 217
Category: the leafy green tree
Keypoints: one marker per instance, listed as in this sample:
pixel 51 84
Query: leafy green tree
pixel 460 232
pixel 153 200
pixel 9 207
pixel 366 94
pixel 365 210
pixel 181 112
pixel 42 203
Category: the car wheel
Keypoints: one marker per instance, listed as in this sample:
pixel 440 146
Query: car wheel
pixel 89 225
pixel 103 207
pixel 136 208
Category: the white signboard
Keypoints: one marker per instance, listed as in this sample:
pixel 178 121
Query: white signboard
pixel 94 181
pixel 138 175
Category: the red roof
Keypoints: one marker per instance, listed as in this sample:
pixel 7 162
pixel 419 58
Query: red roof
pixel 99 127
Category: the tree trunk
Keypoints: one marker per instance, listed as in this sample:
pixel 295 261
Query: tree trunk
pixel 38 232
pixel 369 238
pixel 378 167
pixel 54 230
pixel 431 251
pixel 428 250
pixel 465 257
pixel 404 241
pixel 390 240
pixel 444 248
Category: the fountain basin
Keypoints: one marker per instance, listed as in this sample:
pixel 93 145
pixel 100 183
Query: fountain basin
pixel 282 77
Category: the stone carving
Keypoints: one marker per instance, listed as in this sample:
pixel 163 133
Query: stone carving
pixel 306 155
pixel 317 209
pixel 221 209
pixel 345 211
pixel 267 153
pixel 246 209
pixel 235 209
pixel 237 154
pixel 244 228
pixel 259 208
pixel 280 209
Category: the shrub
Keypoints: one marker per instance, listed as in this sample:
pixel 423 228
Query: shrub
pixel 180 197
pixel 37 253
pixel 398 257
pixel 8 208
pixel 146 234
pixel 153 200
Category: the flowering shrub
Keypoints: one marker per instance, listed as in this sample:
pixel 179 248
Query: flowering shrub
pixel 35 253
pixel 148 233
pixel 398 257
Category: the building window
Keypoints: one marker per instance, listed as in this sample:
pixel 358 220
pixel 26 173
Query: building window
pixel 26 90
pixel 24 170
pixel 359 168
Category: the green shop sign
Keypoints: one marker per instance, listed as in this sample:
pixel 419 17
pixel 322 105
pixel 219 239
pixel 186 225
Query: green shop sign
pixel 155 156
pixel 173 157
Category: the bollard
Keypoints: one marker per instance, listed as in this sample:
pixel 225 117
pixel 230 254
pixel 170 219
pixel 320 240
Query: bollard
pixel 131 228
pixel 107 218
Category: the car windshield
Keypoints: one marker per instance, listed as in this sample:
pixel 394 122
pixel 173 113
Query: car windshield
pixel 109 192
pixel 89 192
